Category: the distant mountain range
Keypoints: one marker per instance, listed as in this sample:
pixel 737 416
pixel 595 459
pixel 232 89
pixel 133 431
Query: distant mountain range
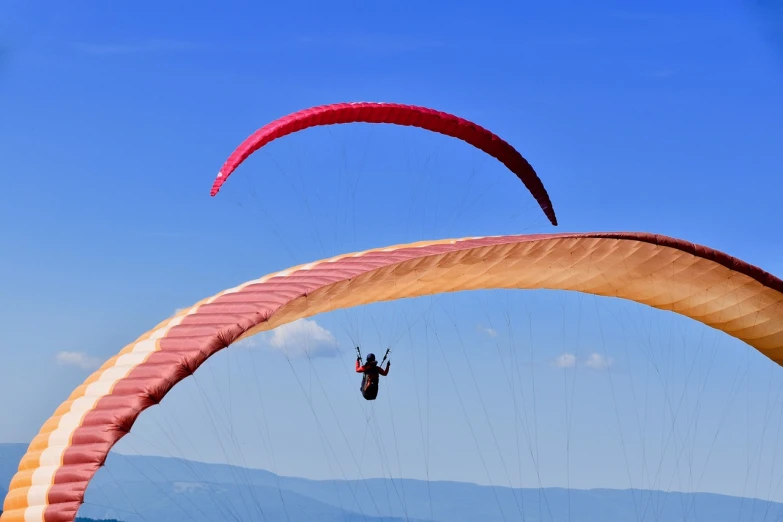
pixel 145 489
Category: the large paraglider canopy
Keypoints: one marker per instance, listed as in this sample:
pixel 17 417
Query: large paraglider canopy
pixel 697 282
pixel 396 114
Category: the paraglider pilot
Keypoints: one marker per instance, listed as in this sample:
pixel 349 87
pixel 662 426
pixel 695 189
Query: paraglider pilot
pixel 371 371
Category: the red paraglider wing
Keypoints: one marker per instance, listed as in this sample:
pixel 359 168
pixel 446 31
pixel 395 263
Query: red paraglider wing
pixel 396 114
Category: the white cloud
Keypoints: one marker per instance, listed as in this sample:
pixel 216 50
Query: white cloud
pixel 487 330
pixel 302 331
pixel 596 361
pixel 566 360
pixel 78 359
pixel 303 337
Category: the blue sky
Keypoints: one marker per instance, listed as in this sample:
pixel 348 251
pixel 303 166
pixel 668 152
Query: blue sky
pixel 115 118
